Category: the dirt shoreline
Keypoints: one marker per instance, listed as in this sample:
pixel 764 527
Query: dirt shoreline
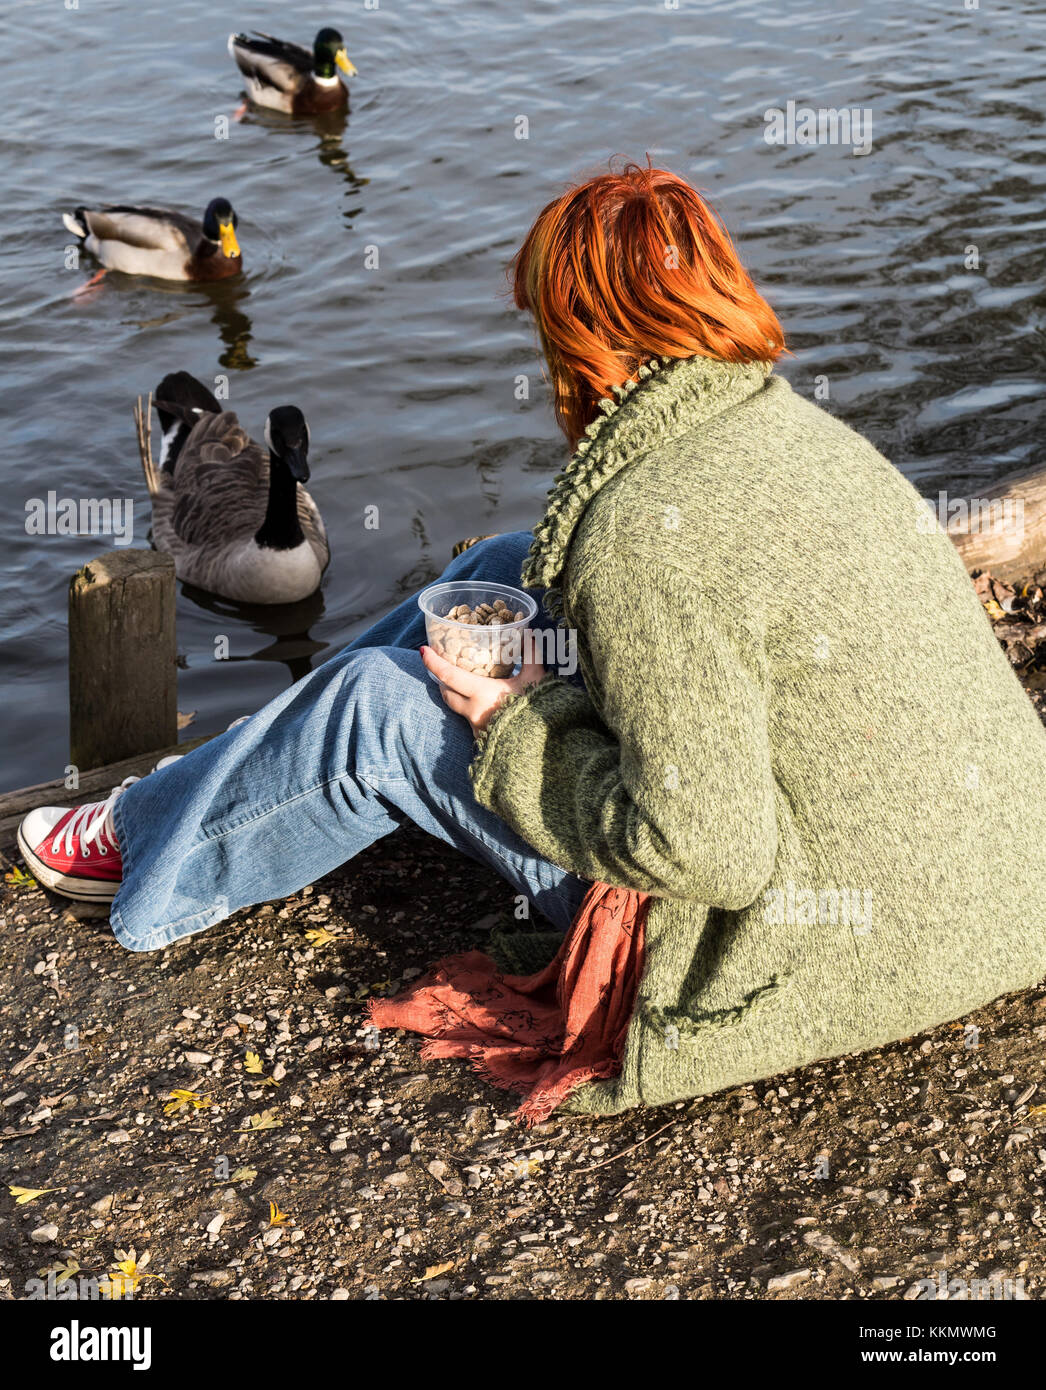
pixel 853 1179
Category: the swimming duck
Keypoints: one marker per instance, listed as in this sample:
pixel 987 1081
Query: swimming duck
pixel 287 77
pixel 233 514
pixel 157 241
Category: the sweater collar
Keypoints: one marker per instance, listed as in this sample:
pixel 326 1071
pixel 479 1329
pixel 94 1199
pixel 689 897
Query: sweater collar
pixel 665 399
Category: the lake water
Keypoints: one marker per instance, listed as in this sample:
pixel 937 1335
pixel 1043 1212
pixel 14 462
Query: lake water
pixel 407 370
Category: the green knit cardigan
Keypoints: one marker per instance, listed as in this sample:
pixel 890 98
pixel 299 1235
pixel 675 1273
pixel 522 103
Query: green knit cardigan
pixel 798 733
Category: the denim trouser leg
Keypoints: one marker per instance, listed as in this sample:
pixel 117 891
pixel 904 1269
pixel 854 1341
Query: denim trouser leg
pixel 343 757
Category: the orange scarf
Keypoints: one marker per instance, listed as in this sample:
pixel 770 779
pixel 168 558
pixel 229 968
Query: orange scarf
pixel 542 1034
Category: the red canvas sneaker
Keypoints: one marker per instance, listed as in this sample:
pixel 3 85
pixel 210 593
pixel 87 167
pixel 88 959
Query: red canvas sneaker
pixel 73 850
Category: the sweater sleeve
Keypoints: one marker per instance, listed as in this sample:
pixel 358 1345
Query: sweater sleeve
pixel 658 776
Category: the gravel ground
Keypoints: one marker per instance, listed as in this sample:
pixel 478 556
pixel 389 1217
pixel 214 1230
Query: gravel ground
pixel 341 1166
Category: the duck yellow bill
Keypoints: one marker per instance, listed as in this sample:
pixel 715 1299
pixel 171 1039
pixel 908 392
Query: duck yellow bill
pixel 230 246
pixel 342 60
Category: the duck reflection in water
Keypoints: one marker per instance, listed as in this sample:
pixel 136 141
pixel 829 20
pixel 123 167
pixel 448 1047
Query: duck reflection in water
pixel 233 324
pixel 329 129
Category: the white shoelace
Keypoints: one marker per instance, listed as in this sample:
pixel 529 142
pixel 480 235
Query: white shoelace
pixel 93 823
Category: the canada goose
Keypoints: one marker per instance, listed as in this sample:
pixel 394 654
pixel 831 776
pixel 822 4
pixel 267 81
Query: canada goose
pixel 287 77
pixel 157 241
pixel 232 514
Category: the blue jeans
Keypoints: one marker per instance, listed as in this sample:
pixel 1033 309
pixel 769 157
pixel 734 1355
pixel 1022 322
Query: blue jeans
pixel 343 757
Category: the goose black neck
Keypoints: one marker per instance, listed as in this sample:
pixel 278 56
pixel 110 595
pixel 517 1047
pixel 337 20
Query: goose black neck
pixel 281 529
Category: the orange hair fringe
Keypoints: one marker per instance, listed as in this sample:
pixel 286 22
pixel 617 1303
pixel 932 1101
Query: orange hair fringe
pixel 631 266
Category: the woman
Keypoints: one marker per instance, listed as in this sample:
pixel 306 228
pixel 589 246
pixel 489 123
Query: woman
pixel 795 732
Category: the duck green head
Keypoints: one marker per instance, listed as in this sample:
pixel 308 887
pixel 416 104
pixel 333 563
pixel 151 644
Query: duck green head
pixel 219 224
pixel 328 53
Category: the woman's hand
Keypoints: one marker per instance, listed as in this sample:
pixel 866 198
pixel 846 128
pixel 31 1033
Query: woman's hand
pixel 476 697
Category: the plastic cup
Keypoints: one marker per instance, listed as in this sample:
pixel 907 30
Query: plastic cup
pixel 494 649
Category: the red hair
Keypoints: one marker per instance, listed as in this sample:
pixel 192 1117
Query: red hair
pixel 631 266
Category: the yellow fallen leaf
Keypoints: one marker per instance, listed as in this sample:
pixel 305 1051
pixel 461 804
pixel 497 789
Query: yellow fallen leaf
pixel 277 1217
pixel 266 1120
pixel 253 1064
pixel 993 610
pixel 19 878
pixel 1037 1110
pixel 180 1099
pixel 366 991
pixel 244 1175
pixel 24 1195
pixel 62 1272
pixel 434 1271
pixel 126 1274
pixel 319 936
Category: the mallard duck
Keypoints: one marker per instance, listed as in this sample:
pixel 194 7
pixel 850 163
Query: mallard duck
pixel 287 77
pixel 232 514
pixel 157 241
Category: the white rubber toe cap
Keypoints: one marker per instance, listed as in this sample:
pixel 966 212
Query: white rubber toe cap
pixel 38 824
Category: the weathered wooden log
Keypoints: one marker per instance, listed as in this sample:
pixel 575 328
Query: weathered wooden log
pixel 122 657
pixel 1004 531
pixel 91 786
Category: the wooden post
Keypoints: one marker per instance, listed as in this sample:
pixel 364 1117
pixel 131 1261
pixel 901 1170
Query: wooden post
pixel 122 658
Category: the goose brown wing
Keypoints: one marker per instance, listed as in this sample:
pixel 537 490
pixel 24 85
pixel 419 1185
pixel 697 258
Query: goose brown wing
pixel 312 525
pixel 221 484
pixel 155 229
